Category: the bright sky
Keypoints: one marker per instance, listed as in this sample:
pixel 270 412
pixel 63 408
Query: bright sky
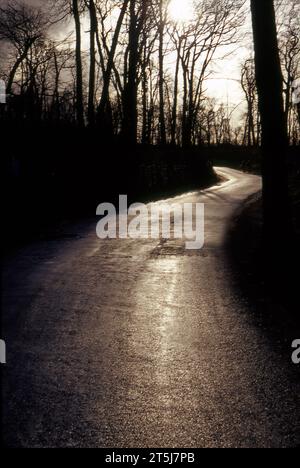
pixel 225 85
pixel 181 10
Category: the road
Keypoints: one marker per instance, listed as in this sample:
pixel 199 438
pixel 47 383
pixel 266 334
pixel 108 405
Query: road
pixel 141 343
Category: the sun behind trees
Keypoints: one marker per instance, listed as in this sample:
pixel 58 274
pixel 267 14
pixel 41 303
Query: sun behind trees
pixel 117 78
pixel 128 82
pixel 136 70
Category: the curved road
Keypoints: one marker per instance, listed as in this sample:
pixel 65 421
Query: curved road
pixel 141 343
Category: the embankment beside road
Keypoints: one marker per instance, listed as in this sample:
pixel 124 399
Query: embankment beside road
pixel 54 174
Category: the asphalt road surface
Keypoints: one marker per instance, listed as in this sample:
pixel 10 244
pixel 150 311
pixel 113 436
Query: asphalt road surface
pixel 141 343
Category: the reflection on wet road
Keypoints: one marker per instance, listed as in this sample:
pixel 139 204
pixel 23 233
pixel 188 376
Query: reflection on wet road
pixel 141 343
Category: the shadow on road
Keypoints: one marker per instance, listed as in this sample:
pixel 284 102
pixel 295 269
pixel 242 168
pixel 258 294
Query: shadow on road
pixel 274 310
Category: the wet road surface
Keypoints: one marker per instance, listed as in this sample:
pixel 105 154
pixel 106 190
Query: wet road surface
pixel 141 343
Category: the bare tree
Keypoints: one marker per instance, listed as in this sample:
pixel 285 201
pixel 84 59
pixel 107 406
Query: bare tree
pixel 137 19
pixel 289 47
pixel 111 57
pixel 63 60
pixel 92 75
pixel 21 26
pixel 215 26
pixel 79 73
pixel 162 21
pixel 248 83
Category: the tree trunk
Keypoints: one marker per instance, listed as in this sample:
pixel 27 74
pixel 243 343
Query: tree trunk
pixel 274 133
pixel 145 133
pixel 55 100
pixel 175 101
pixel 130 117
pixel 16 66
pixel 110 63
pixel 92 79
pixel 79 79
pixel 162 121
pixel 251 131
pixel 184 137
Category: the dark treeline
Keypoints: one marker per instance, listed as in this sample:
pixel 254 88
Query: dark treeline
pixel 118 80
pixel 104 96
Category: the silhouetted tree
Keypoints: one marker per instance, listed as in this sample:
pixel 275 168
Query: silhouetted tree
pixel 104 101
pixel 162 20
pixel 215 25
pixel 137 18
pixel 92 75
pixel 289 42
pixel 248 83
pixel 79 72
pixel 274 132
pixel 21 26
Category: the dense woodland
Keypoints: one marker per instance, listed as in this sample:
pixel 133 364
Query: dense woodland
pixel 134 73
pixel 108 96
